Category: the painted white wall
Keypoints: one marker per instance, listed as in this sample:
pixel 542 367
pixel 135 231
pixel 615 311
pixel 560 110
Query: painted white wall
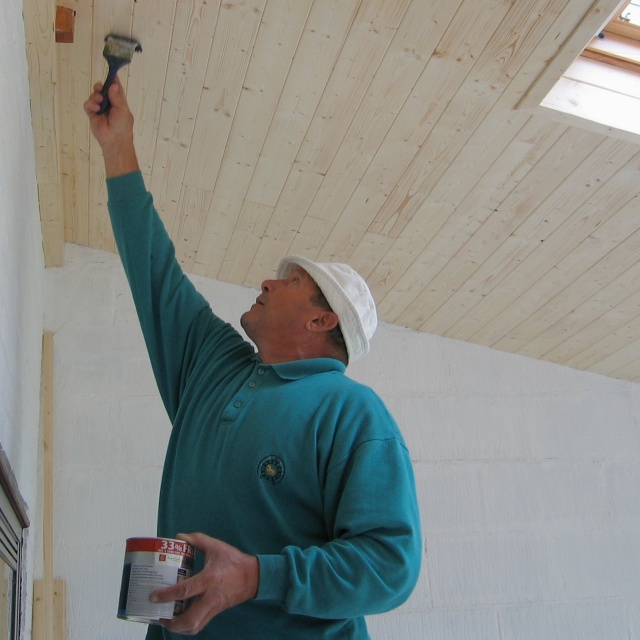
pixel 22 264
pixel 21 268
pixel 528 473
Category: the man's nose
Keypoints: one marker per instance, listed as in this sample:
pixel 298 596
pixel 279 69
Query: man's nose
pixel 269 285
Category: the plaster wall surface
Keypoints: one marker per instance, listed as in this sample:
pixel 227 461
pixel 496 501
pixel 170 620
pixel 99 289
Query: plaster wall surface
pixel 22 264
pixel 528 473
pixel 21 275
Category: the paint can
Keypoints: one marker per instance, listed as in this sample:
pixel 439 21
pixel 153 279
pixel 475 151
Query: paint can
pixel 150 564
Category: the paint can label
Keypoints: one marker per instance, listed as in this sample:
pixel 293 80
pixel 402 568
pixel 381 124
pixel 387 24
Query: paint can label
pixel 150 564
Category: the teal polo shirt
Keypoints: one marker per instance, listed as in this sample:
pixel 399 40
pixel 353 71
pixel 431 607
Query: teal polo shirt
pixel 294 463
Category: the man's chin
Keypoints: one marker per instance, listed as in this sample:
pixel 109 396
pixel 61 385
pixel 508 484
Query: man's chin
pixel 245 319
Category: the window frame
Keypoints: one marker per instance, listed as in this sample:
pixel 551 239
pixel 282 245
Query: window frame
pixel 617 44
pixel 14 522
pixel 585 102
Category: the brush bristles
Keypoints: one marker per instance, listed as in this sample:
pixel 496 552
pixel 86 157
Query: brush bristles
pixel 120 47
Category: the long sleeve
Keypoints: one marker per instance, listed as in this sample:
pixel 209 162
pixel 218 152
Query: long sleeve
pixel 173 315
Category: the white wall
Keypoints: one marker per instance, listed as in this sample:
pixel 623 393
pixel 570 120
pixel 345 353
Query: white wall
pixel 21 266
pixel 528 473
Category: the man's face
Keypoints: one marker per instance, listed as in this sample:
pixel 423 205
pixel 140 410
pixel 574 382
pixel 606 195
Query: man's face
pixel 283 308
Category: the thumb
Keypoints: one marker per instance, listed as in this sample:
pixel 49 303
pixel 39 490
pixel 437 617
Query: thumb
pixel 197 540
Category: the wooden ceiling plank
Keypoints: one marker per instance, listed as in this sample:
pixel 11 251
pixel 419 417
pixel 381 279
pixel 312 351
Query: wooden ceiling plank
pixel 397 178
pixel 554 285
pixel 282 24
pixel 469 192
pixel 445 72
pixel 613 343
pixel 284 223
pixel 421 29
pixel 321 42
pixel 605 312
pixel 320 45
pixel 622 363
pixel 147 73
pixel 558 225
pixel 235 34
pixel 593 266
pixel 367 254
pixel 360 62
pixel 364 48
pixel 308 237
pixel 42 50
pixel 236 31
pixel 606 277
pixel 500 60
pixel 577 317
pixel 191 39
pixel 518 85
pixel 410 248
pixel 192 210
pixel 496 228
pixel 74 85
pixel 244 243
pixel 609 333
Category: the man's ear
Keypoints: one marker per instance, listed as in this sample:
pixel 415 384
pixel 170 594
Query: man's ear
pixel 323 321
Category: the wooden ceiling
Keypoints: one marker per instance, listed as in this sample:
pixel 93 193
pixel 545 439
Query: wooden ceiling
pixel 390 134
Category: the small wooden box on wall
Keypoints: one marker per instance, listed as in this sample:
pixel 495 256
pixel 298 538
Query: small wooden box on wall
pixel 65 23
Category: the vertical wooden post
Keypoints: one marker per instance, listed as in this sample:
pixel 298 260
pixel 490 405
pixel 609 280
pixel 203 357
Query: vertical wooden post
pixel 39 23
pixel 49 595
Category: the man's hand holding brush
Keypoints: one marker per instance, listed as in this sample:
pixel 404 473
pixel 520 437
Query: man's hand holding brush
pixel 113 129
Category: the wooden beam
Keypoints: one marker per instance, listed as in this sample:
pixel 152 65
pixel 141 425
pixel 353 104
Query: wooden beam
pixel 49 598
pixel 39 21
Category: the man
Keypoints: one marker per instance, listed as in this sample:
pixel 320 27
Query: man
pixel 295 477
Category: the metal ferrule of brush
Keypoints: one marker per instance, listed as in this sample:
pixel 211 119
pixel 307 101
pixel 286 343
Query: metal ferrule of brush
pixel 118 52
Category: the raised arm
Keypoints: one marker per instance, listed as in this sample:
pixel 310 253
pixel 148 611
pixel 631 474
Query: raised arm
pixel 166 301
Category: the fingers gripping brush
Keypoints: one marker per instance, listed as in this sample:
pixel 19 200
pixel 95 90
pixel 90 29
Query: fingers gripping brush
pixel 118 52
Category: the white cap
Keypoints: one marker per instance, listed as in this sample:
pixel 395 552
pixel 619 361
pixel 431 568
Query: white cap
pixel 349 297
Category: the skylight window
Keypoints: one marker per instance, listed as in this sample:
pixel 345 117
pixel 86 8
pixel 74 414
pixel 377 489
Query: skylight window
pixel 600 90
pixel 619 42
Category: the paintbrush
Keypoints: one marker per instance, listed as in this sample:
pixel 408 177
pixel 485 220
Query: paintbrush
pixel 118 51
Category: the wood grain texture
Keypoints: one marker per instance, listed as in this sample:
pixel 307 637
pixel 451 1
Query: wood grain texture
pixel 49 595
pixel 404 137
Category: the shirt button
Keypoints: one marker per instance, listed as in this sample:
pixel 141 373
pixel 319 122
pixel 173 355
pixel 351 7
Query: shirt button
pixel 260 371
pixel 252 384
pixel 237 405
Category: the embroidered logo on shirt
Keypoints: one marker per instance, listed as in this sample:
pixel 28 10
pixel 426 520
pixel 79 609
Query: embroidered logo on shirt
pixel 271 469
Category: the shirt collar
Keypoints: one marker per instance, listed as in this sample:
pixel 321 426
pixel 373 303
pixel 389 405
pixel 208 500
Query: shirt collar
pixel 302 368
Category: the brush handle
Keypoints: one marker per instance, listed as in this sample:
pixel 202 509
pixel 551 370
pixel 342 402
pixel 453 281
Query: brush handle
pixel 114 67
